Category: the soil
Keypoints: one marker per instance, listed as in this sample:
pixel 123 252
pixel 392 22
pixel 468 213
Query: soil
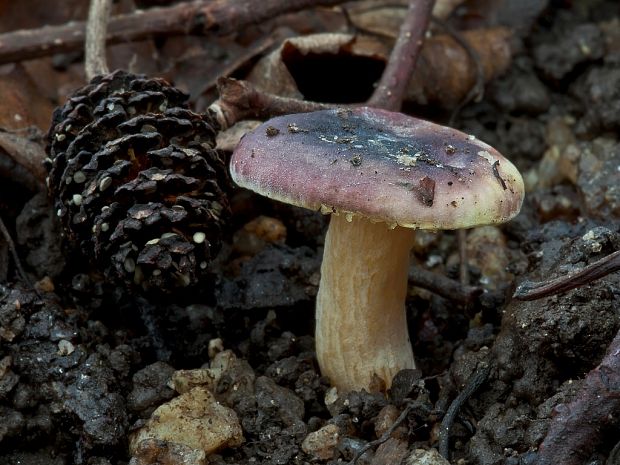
pixel 83 363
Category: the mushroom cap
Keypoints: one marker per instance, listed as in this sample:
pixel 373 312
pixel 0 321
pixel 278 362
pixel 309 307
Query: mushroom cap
pixel 381 165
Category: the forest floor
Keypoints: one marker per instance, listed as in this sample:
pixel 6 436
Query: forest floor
pixel 80 372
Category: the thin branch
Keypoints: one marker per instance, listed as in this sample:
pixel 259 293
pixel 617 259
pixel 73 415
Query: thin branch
pixel 385 436
pixel 24 151
pixel 443 286
pixel 242 100
pixel 198 17
pixel 473 384
pixel 393 84
pixel 96 27
pixel 528 290
pixel 18 264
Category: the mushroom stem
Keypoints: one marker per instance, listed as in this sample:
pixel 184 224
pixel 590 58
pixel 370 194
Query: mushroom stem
pixel 362 339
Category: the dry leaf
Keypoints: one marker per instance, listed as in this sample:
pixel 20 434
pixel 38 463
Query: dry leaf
pixel 385 18
pixel 343 68
pixel 22 103
pixel 445 72
pixel 334 68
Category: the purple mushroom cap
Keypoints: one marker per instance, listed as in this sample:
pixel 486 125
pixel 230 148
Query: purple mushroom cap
pixel 380 165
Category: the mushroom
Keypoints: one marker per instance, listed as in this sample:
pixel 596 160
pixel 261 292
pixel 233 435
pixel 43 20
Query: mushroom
pixel 381 175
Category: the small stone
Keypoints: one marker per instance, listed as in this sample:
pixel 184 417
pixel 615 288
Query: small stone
pixel 322 443
pixel 183 381
pixel 426 457
pixel 153 451
pixel 331 396
pixel 385 419
pixel 256 234
pixel 267 228
pixel 104 227
pixel 45 285
pixel 65 347
pixel 77 199
pixel 194 419
pixel 5 365
pixel 215 347
pixel 150 387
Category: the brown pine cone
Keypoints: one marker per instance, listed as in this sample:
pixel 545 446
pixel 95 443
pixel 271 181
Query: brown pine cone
pixel 137 182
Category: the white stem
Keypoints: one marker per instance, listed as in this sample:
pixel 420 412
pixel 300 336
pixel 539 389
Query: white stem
pixel 362 339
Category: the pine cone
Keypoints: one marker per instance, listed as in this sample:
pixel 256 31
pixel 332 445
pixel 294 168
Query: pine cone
pixel 137 182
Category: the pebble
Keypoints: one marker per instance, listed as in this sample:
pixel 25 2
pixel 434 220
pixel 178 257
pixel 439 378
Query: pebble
pixel 196 420
pixel 183 381
pixel 426 457
pixel 45 285
pixel 322 443
pixel 385 419
pixel 65 347
pixel 256 234
pixel 153 451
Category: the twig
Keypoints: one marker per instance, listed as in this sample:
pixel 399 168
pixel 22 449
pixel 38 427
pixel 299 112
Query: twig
pixel 385 436
pixel 96 26
pixel 393 84
pixel 528 290
pixel 443 286
pixel 198 17
pixel 24 151
pixel 579 425
pixel 11 169
pixel 18 264
pixel 473 384
pixel 241 100
pixel 254 50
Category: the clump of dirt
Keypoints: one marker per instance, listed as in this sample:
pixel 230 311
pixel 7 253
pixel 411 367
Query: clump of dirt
pixel 63 380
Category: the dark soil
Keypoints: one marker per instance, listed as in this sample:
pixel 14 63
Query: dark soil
pixel 84 362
